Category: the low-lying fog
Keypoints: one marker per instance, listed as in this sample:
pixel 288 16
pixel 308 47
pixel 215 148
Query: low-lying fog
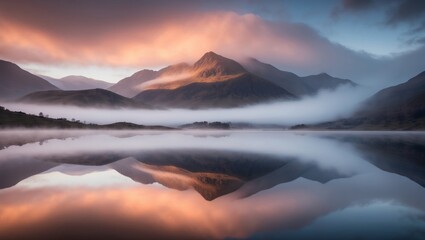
pixel 325 106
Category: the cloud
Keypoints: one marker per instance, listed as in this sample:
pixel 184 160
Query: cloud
pixel 351 6
pixel 406 11
pixel 396 12
pixel 136 34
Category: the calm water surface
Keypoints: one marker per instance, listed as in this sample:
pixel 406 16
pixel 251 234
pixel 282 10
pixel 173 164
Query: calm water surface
pixel 212 184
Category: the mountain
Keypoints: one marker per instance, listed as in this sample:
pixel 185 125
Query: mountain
pixel 217 81
pixel 214 81
pixel 212 65
pixel 209 68
pixel 242 90
pixel 128 87
pixel 294 84
pixel 400 107
pixel 287 80
pixel 16 82
pixel 77 83
pixel 209 185
pixel 83 98
pixel 131 86
pixel 325 81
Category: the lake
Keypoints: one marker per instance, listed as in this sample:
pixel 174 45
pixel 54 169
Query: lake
pixel 212 184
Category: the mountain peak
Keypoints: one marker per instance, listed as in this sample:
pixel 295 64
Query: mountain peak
pixel 212 64
pixel 209 57
pixel 74 78
pixel 211 53
pixel 323 74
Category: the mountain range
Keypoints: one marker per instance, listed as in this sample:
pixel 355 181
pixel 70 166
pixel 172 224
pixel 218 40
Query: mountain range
pixel 293 83
pixel 213 81
pixel 216 81
pixel 74 82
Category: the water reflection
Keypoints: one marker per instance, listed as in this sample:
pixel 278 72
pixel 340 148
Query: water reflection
pixel 211 184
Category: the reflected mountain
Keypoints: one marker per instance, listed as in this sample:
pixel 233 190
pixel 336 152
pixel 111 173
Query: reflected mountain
pixel 403 154
pixel 287 173
pixel 214 173
pixel 211 173
pixel 12 172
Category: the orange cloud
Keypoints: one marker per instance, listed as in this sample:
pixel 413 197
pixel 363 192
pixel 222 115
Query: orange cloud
pixel 161 44
pixel 63 37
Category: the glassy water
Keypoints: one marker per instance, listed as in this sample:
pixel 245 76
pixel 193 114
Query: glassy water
pixel 212 184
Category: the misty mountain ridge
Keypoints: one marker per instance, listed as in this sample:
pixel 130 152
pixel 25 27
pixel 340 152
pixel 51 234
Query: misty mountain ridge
pixel 131 86
pixel 213 81
pixel 300 86
pixel 212 67
pixel 82 98
pixel 400 107
pixel 74 82
pixel 16 82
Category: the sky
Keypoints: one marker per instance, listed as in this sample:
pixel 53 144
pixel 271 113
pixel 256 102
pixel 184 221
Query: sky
pixel 376 43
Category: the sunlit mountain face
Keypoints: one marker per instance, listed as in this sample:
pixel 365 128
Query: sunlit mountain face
pixel 197 119
pixel 229 184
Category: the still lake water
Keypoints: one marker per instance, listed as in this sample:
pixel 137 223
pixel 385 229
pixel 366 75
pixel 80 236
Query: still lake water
pixel 212 184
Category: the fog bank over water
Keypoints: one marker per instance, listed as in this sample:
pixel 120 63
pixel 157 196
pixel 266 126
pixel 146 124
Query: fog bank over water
pixel 325 106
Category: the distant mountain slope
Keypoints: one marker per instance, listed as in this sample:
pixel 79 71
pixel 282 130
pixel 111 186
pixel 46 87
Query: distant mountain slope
pixel 16 82
pixel 401 107
pixel 77 83
pixel 406 97
pixel 242 90
pixel 128 87
pixel 131 86
pixel 291 82
pixel 287 80
pixel 82 98
pixel 325 81
pixel 403 103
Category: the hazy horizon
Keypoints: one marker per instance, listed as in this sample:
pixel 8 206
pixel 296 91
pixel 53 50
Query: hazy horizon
pixel 327 105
